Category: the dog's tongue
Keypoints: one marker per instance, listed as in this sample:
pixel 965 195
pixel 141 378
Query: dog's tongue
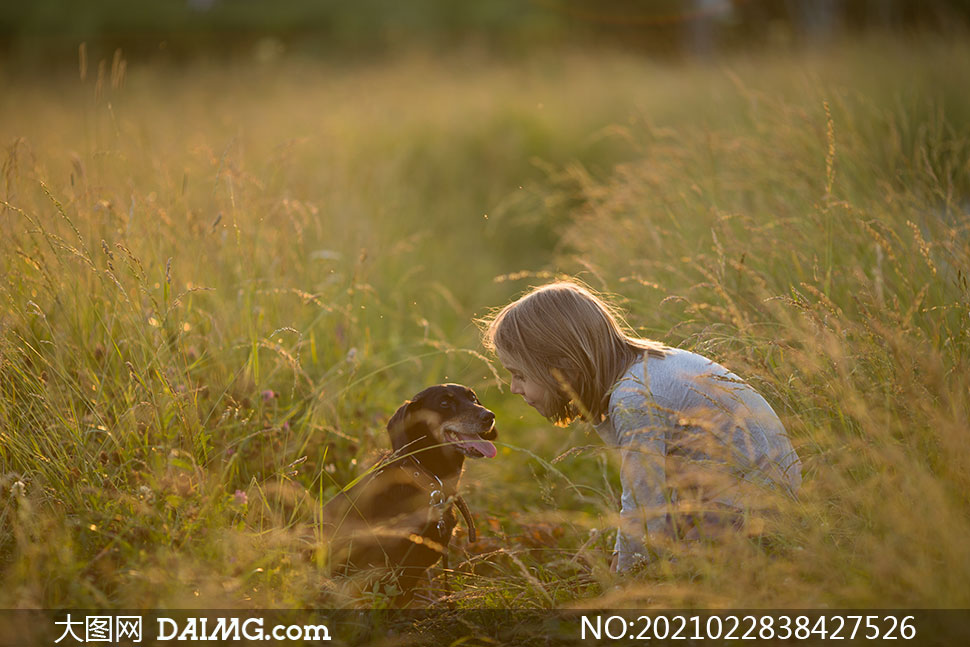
pixel 483 447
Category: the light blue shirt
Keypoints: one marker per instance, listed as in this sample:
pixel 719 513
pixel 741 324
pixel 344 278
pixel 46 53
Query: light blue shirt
pixel 689 424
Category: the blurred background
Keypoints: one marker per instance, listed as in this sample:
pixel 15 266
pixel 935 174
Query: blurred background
pixel 46 30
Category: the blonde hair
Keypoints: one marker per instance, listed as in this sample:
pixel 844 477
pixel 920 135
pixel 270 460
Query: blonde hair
pixel 571 341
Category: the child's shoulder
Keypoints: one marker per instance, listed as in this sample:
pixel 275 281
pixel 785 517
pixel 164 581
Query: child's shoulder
pixel 659 378
pixel 635 396
pixel 684 364
pixel 633 385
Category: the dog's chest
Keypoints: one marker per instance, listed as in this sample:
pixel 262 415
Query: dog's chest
pixel 427 507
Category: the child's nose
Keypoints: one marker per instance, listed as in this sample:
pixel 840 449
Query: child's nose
pixel 516 386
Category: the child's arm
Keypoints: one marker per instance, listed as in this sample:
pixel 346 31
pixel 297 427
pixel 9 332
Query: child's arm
pixel 640 431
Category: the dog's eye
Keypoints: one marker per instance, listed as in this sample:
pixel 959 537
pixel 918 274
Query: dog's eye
pixel 445 404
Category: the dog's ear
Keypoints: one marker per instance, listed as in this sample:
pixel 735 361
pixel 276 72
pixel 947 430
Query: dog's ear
pixel 396 427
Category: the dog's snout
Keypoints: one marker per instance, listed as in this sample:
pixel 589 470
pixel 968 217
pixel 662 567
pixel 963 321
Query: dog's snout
pixel 488 419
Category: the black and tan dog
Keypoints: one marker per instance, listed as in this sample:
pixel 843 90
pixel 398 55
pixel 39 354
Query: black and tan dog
pixel 400 516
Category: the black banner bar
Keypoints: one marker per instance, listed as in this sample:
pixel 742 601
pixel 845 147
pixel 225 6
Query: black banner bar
pixel 444 627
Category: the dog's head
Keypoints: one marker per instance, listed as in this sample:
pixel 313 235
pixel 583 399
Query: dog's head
pixel 446 423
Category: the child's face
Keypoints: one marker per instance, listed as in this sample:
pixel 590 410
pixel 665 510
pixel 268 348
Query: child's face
pixel 535 394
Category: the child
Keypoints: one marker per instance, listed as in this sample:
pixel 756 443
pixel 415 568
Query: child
pixel 699 447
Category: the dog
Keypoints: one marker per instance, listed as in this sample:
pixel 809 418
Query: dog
pixel 399 517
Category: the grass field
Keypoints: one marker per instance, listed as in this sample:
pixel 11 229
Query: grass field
pixel 217 282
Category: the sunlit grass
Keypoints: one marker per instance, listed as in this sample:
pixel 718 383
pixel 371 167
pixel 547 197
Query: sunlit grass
pixel 211 273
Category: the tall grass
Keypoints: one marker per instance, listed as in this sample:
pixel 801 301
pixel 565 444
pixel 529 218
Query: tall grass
pixel 819 248
pixel 218 283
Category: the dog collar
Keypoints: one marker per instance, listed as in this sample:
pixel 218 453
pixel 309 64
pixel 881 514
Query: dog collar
pixel 438 499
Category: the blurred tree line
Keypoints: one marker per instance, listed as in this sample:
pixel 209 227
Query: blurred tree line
pixel 176 28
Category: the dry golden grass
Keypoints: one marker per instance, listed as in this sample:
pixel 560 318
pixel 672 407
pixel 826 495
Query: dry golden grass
pixel 210 273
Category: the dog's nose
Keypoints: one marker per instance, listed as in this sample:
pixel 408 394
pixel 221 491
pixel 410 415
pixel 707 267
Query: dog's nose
pixel 488 419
